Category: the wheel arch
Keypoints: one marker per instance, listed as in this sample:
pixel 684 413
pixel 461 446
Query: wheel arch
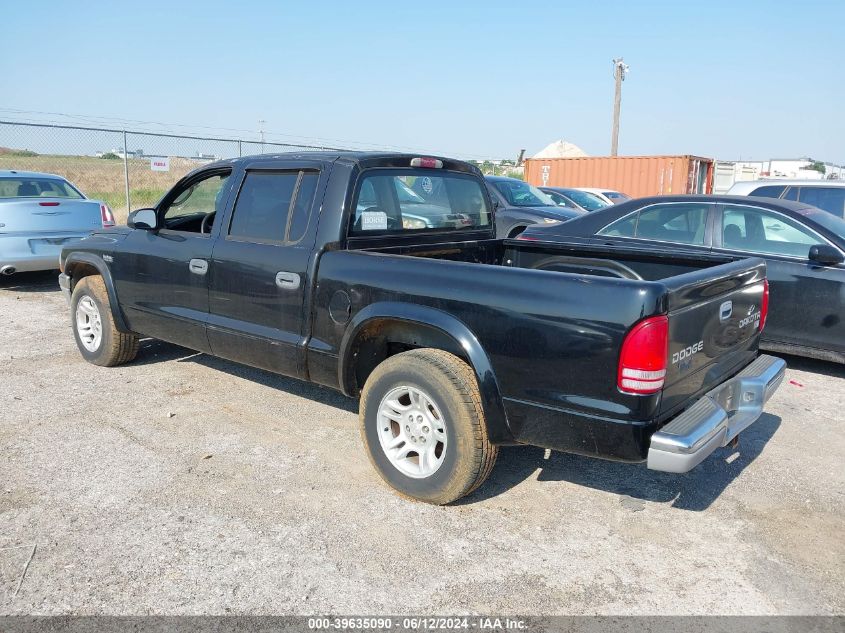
pixel 383 329
pixel 80 265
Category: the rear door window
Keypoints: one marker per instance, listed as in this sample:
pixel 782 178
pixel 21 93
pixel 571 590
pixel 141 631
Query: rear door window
pixel 828 198
pixel 683 223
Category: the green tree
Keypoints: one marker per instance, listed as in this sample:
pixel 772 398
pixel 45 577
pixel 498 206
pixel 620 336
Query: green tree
pixel 816 165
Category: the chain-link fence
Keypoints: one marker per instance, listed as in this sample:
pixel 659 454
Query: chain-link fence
pixel 130 169
pixel 126 169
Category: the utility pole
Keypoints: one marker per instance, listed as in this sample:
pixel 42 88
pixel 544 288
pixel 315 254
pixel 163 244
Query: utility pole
pixel 620 69
pixel 261 123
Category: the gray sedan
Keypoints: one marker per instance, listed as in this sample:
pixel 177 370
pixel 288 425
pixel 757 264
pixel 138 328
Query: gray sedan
pixel 38 214
pixel 519 205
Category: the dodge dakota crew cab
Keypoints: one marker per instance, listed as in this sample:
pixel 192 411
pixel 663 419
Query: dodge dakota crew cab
pixel 379 275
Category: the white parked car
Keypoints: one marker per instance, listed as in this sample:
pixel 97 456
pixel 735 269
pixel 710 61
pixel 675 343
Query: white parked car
pixel 823 194
pixel 608 195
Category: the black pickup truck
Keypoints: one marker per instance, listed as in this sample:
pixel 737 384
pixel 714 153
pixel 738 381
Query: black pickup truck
pixel 322 266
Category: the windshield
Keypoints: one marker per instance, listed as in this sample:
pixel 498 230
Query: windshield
pixel 396 200
pixel 825 219
pixel 589 201
pixel 23 187
pixel 521 194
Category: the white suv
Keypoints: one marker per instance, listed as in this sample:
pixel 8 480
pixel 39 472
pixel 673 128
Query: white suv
pixel 824 194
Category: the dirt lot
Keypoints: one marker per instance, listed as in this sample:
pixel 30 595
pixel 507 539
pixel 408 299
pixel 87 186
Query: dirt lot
pixel 185 484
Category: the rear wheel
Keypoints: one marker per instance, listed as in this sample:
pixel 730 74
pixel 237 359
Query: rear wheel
pixel 423 426
pixel 97 338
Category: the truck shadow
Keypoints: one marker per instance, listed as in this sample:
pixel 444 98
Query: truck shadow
pixel 694 491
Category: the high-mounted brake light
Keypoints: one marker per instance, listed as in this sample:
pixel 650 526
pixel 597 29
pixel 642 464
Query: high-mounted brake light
pixel 642 363
pixel 428 163
pixel 48 204
pixel 764 305
pixel 106 216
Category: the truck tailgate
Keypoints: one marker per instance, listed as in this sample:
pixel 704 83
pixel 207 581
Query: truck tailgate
pixel 713 326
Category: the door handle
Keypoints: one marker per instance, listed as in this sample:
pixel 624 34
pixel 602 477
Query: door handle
pixel 287 281
pixel 198 266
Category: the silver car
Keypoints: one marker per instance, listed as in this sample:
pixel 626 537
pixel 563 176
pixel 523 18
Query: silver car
pixel 38 214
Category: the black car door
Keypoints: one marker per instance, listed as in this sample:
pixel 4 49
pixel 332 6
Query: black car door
pixel 161 275
pixel 683 226
pixel 807 300
pixel 259 271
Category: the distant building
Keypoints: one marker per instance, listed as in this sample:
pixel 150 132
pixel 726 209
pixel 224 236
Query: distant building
pixel 138 153
pixel 729 172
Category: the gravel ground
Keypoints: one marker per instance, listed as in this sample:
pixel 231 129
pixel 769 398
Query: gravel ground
pixel 183 484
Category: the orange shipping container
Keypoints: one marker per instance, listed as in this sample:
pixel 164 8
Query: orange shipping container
pixel 636 176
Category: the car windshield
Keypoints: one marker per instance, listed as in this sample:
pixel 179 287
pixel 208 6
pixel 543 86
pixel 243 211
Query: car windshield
pixel 25 187
pixel 521 194
pixel 825 219
pixel 589 201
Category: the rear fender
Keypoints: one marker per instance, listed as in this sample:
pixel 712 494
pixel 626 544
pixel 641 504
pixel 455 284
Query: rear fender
pixel 449 334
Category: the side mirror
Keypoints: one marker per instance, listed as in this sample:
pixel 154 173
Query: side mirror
pixel 826 255
pixel 495 202
pixel 145 219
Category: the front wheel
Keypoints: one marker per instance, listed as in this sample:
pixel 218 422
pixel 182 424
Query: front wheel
pixel 423 426
pixel 97 338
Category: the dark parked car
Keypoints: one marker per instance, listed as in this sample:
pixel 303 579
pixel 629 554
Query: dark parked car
pixel 804 248
pixel 519 205
pixel 575 198
pixel 456 343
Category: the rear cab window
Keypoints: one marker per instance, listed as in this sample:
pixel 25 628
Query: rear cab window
pixel 394 201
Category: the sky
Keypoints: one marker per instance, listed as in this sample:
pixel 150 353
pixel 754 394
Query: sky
pixel 469 79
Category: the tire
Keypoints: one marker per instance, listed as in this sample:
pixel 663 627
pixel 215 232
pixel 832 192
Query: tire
pixel 113 347
pixel 517 231
pixel 453 423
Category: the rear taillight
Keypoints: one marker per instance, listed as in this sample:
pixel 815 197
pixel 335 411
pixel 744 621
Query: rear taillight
pixel 642 363
pixel 106 216
pixel 764 305
pixel 527 238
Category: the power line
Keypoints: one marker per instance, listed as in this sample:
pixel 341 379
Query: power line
pixel 269 136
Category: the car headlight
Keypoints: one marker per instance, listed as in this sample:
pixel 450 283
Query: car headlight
pixel 550 220
pixel 412 223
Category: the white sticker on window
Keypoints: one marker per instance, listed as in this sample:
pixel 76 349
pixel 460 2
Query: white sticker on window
pixel 373 221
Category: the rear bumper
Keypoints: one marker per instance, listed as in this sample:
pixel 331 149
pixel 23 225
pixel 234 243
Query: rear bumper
pixel 32 252
pixel 717 418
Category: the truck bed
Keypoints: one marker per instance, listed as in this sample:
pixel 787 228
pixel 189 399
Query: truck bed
pixel 552 318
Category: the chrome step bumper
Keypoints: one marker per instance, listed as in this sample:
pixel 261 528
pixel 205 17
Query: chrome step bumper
pixel 717 418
